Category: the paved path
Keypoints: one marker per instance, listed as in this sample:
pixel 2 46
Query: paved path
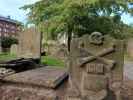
pixel 128 70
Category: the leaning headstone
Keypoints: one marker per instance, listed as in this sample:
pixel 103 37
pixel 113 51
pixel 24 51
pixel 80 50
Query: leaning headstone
pixel 14 49
pixel 30 44
pixel 95 68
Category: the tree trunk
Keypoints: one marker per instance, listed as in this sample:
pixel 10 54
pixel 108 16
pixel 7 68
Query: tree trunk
pixel 69 42
pixel 69 37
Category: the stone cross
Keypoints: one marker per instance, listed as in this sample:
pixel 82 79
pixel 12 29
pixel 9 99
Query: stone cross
pixel 95 68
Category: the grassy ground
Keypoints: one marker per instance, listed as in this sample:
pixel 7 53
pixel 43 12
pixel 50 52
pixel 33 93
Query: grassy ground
pixel 47 60
pixel 52 61
pixel 6 56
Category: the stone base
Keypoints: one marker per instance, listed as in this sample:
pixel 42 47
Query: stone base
pixel 38 84
pixel 10 92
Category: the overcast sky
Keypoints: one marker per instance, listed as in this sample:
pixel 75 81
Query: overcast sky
pixel 11 8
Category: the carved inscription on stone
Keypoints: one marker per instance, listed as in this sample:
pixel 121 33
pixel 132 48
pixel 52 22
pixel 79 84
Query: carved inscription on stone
pixel 95 68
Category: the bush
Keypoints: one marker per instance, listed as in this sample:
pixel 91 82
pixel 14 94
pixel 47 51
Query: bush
pixel 6 42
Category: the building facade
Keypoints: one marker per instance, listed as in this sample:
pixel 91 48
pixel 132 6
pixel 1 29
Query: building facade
pixel 9 27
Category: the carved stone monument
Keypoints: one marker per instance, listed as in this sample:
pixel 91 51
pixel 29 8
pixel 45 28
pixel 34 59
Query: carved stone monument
pixel 95 68
pixel 30 44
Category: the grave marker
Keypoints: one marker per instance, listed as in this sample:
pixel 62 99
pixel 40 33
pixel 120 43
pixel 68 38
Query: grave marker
pixel 95 68
pixel 30 44
pixel 14 49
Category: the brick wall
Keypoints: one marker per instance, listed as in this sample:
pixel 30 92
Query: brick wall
pixel 8 28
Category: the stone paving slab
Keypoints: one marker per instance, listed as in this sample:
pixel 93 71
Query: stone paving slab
pixel 47 77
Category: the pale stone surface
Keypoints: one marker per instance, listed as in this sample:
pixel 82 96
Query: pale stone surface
pixel 30 44
pixel 45 77
pixel 14 49
pixel 5 72
pixel 38 84
pixel 15 92
pixel 130 47
pixel 95 65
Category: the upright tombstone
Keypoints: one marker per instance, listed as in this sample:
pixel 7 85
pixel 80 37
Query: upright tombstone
pixel 14 49
pixel 95 68
pixel 30 44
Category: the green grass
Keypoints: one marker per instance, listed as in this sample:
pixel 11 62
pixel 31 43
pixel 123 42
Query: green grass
pixel 48 60
pixel 6 56
pixel 52 62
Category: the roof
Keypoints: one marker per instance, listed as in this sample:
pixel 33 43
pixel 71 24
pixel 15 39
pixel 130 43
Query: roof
pixel 8 19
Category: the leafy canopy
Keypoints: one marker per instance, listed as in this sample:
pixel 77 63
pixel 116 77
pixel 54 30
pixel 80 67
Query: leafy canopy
pixel 79 16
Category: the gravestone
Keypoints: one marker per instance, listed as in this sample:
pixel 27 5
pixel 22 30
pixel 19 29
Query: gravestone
pixel 95 68
pixel 30 44
pixel 130 47
pixel 14 49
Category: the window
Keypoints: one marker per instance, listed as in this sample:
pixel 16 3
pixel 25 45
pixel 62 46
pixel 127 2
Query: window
pixel 13 31
pixel 5 30
pixel 13 27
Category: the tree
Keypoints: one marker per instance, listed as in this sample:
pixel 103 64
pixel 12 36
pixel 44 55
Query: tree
pixel 76 16
pixel 6 42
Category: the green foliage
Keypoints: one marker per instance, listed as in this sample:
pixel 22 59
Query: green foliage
pixel 79 16
pixel 6 42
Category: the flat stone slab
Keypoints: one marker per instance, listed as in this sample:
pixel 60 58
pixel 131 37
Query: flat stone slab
pixel 47 77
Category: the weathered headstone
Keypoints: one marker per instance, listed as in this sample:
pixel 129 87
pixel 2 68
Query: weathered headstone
pixel 95 68
pixel 130 47
pixel 30 44
pixel 14 49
